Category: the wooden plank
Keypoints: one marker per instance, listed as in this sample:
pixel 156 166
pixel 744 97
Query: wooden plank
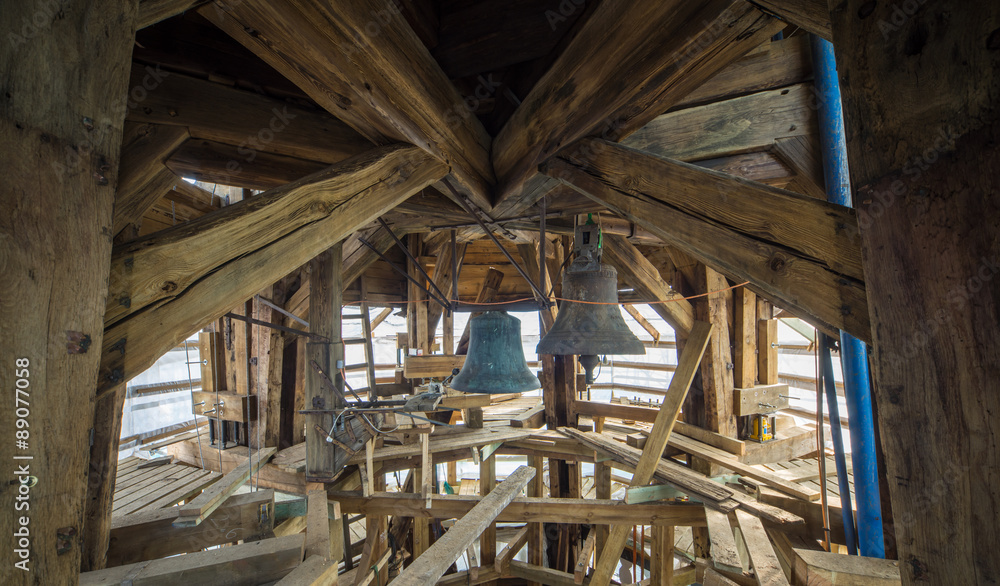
pixel 433 366
pixel 61 158
pixel 760 399
pixel 150 534
pixel 511 548
pixel 931 334
pixel 821 568
pixel 543 575
pixel 318 541
pixel 583 559
pixel 315 571
pixel 143 178
pixel 640 273
pixel 246 564
pixel 389 90
pixel 726 460
pixel 197 510
pixel 793 265
pixel 153 11
pixel 811 15
pixel 766 568
pixel 658 437
pixel 725 556
pixel 524 510
pixel 532 418
pixel 147 272
pixel 654 54
pixel 767 354
pixel 430 566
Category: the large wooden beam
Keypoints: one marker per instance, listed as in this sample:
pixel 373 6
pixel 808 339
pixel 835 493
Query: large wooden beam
pixel 926 185
pixel 144 178
pixel 64 70
pixel 638 272
pixel 652 53
pixel 250 121
pixel 801 252
pixel 524 509
pixel 148 535
pixel 167 285
pixel 811 15
pixel 361 61
pixel 430 566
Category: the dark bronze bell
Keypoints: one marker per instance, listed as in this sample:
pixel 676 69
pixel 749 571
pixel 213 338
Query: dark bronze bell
pixel 596 327
pixel 495 362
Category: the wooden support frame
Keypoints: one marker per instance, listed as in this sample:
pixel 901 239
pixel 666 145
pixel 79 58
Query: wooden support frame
pixel 809 262
pixel 653 53
pixel 429 567
pixel 658 437
pixel 387 88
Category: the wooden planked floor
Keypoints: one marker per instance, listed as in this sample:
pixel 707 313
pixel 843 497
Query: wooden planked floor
pixel 139 488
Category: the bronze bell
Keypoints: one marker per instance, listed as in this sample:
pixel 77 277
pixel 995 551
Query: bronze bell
pixel 495 362
pixel 595 328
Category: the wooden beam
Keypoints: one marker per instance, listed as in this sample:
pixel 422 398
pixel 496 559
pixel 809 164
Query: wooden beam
pixel 250 563
pixel 326 307
pixel 811 15
pixel 725 556
pixel 169 284
pixel 502 563
pixel 766 567
pixel 150 534
pixel 657 442
pixel 824 567
pixel 367 67
pixel 198 509
pixel 60 153
pixel 937 186
pixel 252 122
pixel 315 571
pixel 143 178
pixel 811 263
pixel 429 567
pixel 525 510
pixel 653 53
pixel 716 374
pixel 543 575
pixel 744 338
pixel 153 11
pixel 636 270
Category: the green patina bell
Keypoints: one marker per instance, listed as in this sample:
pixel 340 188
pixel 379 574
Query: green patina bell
pixel 495 362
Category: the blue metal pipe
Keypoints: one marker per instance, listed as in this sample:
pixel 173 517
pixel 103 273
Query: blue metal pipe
pixel 836 433
pixel 853 353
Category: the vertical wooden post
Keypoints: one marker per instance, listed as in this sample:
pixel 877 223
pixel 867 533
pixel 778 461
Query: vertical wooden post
pixel 60 153
pixel 662 562
pixel 767 356
pixel 366 330
pixel 421 525
pixel 716 366
pixel 927 192
pixel 602 487
pixel 536 534
pixel 744 338
pixel 324 319
pixel 272 376
pixel 488 541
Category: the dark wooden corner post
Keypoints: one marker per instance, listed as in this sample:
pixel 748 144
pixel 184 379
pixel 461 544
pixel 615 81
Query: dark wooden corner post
pixel 921 90
pixel 325 303
pixel 64 73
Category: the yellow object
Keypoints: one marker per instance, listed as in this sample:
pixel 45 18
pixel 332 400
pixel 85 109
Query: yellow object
pixel 762 427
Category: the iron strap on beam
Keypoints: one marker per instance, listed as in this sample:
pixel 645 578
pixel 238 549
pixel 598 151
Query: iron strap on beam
pixel 441 297
pixel 403 272
pixel 274 326
pixel 461 201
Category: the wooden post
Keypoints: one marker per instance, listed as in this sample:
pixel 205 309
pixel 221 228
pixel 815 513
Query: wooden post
pixel 767 354
pixel 60 155
pixel 536 534
pixel 928 197
pixel 744 338
pixel 421 525
pixel 488 541
pixel 602 487
pixel 662 562
pixel 324 319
